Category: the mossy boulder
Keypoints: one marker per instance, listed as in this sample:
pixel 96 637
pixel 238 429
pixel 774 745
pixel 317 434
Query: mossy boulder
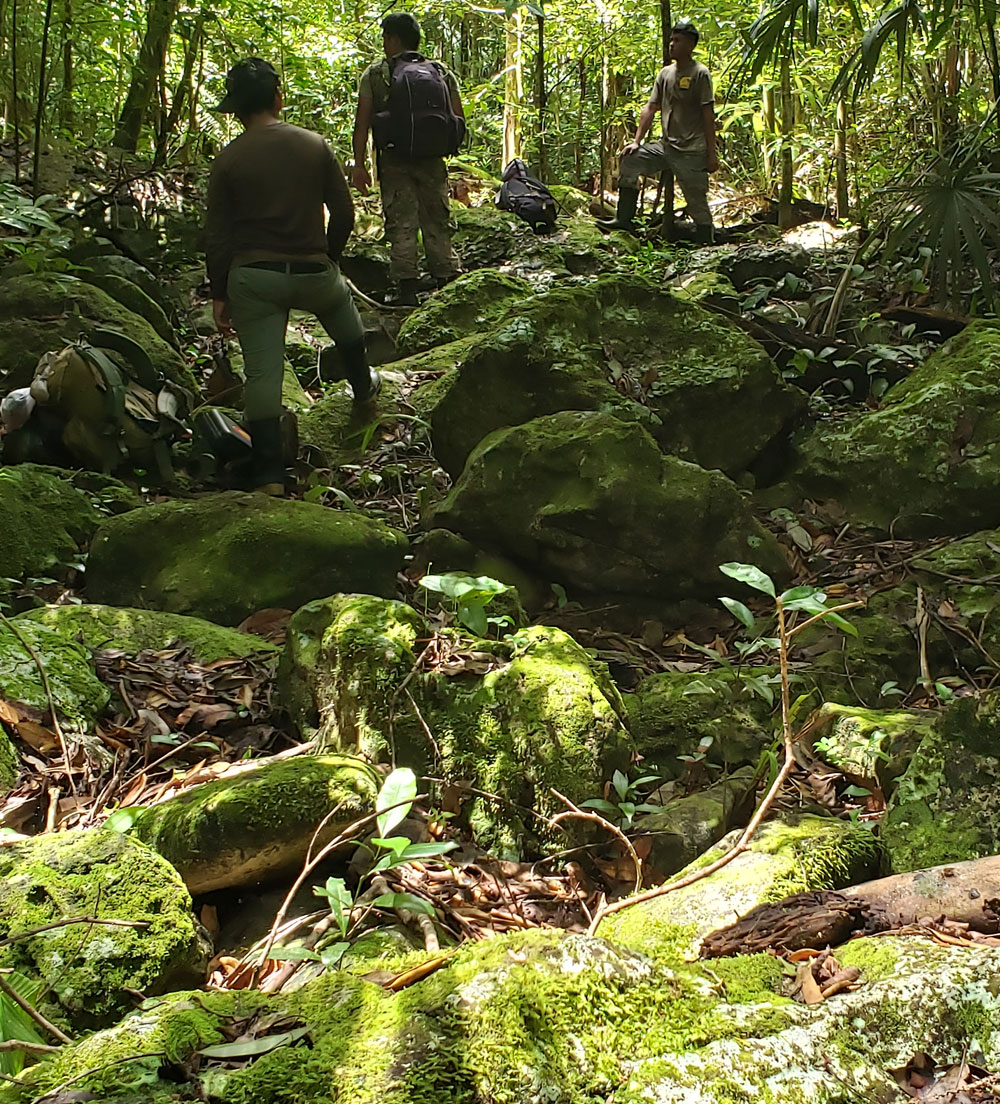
pixel 88 968
pixel 224 556
pixel 485 236
pixel 113 264
pixel 710 394
pixel 338 426
pixel 788 855
pixel 42 313
pixel 472 304
pixel 928 460
pixel 258 824
pixel 946 804
pixel 590 502
pixel 76 691
pixel 138 630
pixel 543 1016
pixel 708 289
pixel 671 713
pixel 47 523
pixel 870 744
pixel 134 299
pixel 756 261
pixel 529 715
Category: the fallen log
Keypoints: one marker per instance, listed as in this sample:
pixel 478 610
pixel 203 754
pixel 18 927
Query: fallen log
pixel 966 893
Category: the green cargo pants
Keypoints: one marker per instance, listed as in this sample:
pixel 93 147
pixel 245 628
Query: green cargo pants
pixel 259 302
pixel 415 197
pixel 688 168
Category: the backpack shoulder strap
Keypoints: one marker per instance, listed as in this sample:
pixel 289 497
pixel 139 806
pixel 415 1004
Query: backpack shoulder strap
pixel 136 356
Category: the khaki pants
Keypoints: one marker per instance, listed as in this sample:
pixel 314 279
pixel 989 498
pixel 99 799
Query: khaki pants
pixel 689 170
pixel 415 198
pixel 259 302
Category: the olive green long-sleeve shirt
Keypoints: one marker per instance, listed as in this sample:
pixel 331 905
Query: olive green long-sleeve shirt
pixel 266 197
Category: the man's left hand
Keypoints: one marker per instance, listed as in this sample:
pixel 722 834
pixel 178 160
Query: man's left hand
pixel 713 163
pixel 220 312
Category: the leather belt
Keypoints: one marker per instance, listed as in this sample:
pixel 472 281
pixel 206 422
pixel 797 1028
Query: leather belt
pixel 293 268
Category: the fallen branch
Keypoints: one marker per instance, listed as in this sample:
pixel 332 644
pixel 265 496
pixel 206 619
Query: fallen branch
pixel 576 813
pixel 47 686
pixel 28 1048
pixel 29 1010
pixel 32 932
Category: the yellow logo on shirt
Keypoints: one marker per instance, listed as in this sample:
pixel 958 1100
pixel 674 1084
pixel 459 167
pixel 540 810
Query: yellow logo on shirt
pixel 684 82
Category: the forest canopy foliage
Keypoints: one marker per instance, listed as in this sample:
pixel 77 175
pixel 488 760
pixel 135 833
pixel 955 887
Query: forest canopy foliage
pixel 834 98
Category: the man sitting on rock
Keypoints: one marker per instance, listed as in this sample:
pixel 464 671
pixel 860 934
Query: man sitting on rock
pixel 683 97
pixel 268 252
pixel 414 107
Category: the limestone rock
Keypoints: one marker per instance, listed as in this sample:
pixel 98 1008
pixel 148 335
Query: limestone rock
pixel 87 968
pixel 135 299
pixel 224 556
pixel 671 713
pixel 786 856
pixel 29 305
pixel 77 692
pixel 749 264
pixel 138 630
pixel 255 825
pixel 946 805
pixel 470 305
pixel 541 714
pixel 485 236
pixel 47 522
pixel 928 460
pixel 712 395
pixel 870 744
pixel 113 264
pixel 590 502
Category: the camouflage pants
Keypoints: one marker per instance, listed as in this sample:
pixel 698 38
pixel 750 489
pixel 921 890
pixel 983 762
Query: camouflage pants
pixel 688 169
pixel 415 198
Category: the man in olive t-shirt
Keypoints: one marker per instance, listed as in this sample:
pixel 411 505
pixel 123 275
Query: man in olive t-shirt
pixel 415 194
pixel 683 98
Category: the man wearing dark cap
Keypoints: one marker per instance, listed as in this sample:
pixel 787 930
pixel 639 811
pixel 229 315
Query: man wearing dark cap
pixel 413 177
pixel 685 102
pixel 268 252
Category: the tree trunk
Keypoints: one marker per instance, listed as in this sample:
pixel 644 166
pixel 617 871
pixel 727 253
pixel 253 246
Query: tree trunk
pixel 183 88
pixel 36 161
pixel 540 99
pixel 145 73
pixel 513 88
pixel 15 91
pixel 840 161
pixel 66 93
pixel 786 215
pixel 577 142
pixel 964 892
pixel 767 146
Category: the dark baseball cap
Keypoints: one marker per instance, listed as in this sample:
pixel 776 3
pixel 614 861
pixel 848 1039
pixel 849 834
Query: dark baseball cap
pixel 686 27
pixel 250 83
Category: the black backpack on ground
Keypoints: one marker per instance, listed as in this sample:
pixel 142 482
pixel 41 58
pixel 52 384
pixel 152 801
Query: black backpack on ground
pixel 526 197
pixel 418 120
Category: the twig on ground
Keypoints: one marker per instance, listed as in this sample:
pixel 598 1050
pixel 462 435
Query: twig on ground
pixel 31 933
pixel 47 686
pixel 575 813
pixel 28 1048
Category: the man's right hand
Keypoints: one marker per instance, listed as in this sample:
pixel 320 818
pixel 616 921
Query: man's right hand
pixel 361 179
pixel 632 147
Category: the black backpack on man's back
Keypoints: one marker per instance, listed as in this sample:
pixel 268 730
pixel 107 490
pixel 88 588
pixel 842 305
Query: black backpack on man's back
pixel 418 120
pixel 526 197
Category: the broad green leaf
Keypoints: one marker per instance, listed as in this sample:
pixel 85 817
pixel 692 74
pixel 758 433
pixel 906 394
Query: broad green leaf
pixel 408 901
pixel 841 623
pixel 123 819
pixel 620 783
pixel 750 576
pixel 740 612
pixel 600 804
pixel 473 616
pixel 426 850
pixel 294 954
pixel 254 1048
pixel 331 956
pixel 340 899
pixel 398 790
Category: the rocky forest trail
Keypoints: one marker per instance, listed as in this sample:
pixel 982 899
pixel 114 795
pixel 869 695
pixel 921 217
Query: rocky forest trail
pixel 506 585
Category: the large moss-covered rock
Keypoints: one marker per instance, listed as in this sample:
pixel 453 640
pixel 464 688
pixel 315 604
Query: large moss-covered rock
pixel 42 313
pixel 946 805
pixel 786 856
pixel 590 502
pixel 711 394
pixel 87 968
pixel 870 744
pixel 47 522
pixel 544 716
pixel 224 556
pixel 671 713
pixel 928 460
pixel 258 824
pixel 546 1017
pixel 76 691
pixel 138 630
pixel 134 299
pixel 485 236
pixel 339 426
pixel 472 304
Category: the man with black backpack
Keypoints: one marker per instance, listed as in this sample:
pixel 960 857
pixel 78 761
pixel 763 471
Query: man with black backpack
pixel 413 109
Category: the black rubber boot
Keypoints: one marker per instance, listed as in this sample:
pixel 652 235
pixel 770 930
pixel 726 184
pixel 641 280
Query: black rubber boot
pixel 267 457
pixel 704 235
pixel 330 364
pixel 407 294
pixel 628 201
pixel 365 381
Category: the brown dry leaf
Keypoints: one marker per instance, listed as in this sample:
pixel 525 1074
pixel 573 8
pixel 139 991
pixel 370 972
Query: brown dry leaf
pixel 417 973
pixel 808 987
pixel 209 917
pixel 946 610
pixel 8 714
pixel 37 736
pixel 270 624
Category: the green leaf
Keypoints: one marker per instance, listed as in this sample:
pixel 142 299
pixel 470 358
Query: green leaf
pixel 620 783
pixel 842 624
pixel 473 616
pixel 750 576
pixel 398 790
pixel 254 1048
pixel 295 953
pixel 408 901
pixel 123 819
pixel 740 612
pixel 340 900
pixel 331 956
pixel 426 850
pixel 600 804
